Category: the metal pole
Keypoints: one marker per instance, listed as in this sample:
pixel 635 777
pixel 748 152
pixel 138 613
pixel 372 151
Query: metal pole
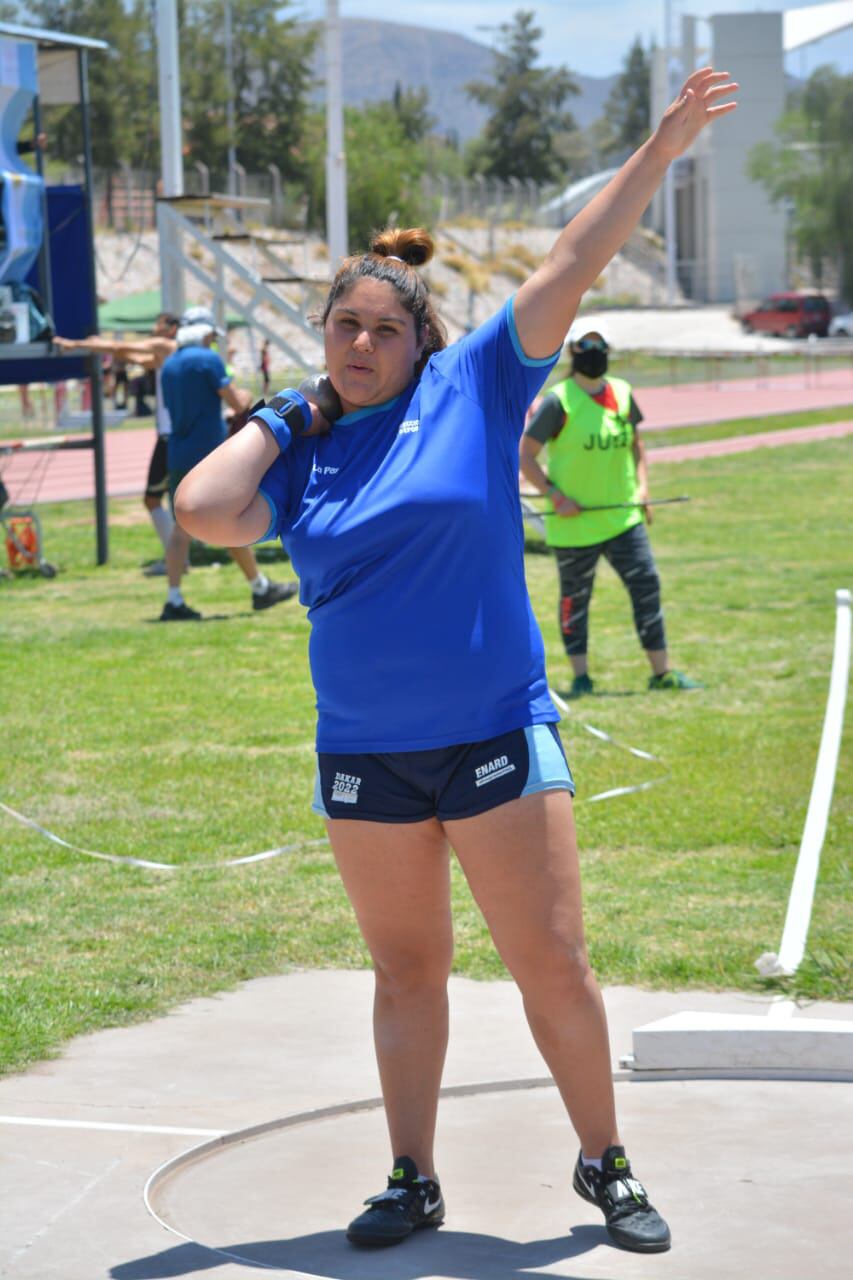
pixel 669 180
pixel 336 160
pixel 98 448
pixel 171 155
pixel 229 99
pixel 45 277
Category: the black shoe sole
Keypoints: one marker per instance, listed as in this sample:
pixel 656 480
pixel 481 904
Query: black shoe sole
pixel 270 604
pixel 628 1244
pixel 634 1246
pixel 382 1242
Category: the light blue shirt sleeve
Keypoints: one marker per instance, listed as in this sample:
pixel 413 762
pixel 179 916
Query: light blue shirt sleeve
pixel 275 490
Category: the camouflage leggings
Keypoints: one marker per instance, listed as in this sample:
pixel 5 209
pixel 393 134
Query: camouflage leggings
pixel 630 554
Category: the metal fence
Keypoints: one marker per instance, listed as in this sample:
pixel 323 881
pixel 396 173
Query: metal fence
pixel 126 199
pixel 492 199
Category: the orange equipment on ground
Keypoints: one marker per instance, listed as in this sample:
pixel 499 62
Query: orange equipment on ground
pixel 22 542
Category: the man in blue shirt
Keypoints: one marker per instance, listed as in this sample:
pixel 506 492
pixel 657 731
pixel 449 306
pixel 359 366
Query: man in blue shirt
pixel 195 383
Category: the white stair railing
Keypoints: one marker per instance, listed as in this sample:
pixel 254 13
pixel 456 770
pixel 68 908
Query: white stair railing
pixel 178 232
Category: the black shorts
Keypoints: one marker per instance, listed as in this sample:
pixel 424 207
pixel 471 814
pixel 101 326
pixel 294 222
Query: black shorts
pixel 444 783
pixel 157 483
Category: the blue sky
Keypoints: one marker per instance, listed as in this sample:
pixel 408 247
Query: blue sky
pixel 587 37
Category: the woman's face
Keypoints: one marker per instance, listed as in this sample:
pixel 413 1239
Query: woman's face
pixel 371 345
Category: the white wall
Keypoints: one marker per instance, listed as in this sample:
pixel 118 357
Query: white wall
pixel 741 221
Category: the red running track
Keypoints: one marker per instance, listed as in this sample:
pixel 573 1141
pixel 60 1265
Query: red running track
pixel 61 476
pixel 697 402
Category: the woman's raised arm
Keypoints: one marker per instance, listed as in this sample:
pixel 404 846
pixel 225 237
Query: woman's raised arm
pixel 546 304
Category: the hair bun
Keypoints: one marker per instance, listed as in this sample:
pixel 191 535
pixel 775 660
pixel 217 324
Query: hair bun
pixel 412 245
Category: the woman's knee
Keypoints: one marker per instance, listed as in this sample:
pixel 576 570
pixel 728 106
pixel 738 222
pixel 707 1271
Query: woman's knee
pixel 559 974
pixel 407 975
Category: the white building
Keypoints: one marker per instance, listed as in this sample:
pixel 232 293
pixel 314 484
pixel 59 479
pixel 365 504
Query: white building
pixel 730 239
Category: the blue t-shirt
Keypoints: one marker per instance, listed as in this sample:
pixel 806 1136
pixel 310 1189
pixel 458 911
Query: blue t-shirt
pixel 404 525
pixel 191 379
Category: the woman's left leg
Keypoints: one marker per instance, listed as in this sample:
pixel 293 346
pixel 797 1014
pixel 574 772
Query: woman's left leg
pixel 630 554
pixel 521 862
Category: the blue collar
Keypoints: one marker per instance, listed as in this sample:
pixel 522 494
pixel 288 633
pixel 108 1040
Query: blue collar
pixel 349 418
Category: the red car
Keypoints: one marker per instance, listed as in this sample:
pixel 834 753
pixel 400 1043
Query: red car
pixel 790 315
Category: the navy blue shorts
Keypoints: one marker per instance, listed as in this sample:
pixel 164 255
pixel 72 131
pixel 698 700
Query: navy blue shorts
pixel 445 783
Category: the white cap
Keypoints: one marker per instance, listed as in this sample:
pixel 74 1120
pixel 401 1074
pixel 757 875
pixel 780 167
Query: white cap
pixel 587 324
pixel 196 324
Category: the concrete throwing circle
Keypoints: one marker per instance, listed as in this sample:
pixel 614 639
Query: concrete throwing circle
pixel 718 1156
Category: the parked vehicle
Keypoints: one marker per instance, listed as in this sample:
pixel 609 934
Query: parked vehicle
pixel 841 326
pixel 790 315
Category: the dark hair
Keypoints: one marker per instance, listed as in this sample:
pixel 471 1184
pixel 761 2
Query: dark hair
pixel 413 247
pixel 170 319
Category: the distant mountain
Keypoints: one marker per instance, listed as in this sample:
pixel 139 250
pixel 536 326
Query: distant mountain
pixel 378 54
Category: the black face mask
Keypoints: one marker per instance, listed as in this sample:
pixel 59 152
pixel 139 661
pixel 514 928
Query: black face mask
pixel 592 363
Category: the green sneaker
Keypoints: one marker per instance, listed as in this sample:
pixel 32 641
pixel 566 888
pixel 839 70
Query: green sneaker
pixel 580 686
pixel 674 680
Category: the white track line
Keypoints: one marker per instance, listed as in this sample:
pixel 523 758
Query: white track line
pixel 45 1122
pixel 66 1208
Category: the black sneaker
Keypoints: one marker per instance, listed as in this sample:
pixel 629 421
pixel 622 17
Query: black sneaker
pixel 275 593
pixel 631 1221
pixel 179 613
pixel 409 1203
pixel 581 686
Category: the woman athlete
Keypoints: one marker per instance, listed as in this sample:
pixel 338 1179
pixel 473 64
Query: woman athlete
pixel 435 728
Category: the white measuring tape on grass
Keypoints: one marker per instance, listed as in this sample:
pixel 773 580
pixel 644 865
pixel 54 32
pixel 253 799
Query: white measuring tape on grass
pixel 151 865
pixel 634 751
pixel 157 866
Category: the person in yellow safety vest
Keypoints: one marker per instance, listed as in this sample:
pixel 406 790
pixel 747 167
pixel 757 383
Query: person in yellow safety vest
pixel 589 426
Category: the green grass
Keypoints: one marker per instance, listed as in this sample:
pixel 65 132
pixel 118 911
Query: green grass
pixel 194 744
pixel 746 426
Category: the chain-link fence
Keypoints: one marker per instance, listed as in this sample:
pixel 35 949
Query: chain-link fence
pixel 126 199
pixel 492 199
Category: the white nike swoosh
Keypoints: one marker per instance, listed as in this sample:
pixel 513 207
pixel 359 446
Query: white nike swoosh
pixel 430 1205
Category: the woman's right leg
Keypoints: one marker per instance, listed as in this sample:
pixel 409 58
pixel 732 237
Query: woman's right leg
pixel 397 877
pixel 576 567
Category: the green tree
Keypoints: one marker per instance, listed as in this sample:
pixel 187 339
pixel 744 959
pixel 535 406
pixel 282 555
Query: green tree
pixel 122 82
pixel 384 171
pixel 811 167
pixel 628 106
pixel 272 76
pixel 410 107
pixel 526 104
pixel 271 55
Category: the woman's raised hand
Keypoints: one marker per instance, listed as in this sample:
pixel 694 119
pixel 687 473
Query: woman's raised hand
pixel 697 105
